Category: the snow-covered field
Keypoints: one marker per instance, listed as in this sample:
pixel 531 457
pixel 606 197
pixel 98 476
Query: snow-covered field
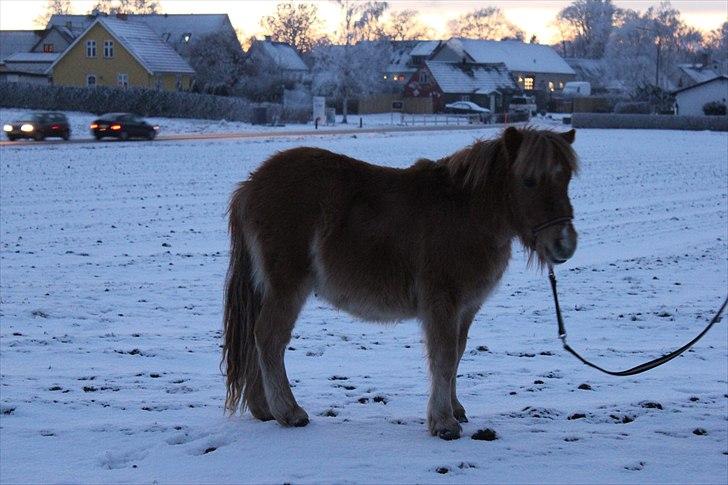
pixel 112 262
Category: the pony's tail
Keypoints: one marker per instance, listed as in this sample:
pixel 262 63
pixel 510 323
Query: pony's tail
pixel 242 306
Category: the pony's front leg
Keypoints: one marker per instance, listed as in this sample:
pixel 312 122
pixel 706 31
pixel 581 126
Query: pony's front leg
pixel 465 322
pixel 441 334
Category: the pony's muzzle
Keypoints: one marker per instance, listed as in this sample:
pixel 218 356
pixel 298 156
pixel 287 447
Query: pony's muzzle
pixel 563 246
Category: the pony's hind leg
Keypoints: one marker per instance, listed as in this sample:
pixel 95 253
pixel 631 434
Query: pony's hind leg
pixel 457 408
pixel 278 314
pixel 441 333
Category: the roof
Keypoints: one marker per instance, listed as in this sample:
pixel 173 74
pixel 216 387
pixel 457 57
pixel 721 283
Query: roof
pixel 12 41
pixel 716 78
pixel 283 55
pixel 470 78
pixel 173 27
pixel 425 48
pixel 48 57
pixel 402 56
pixel 143 44
pixel 516 55
pixel 697 73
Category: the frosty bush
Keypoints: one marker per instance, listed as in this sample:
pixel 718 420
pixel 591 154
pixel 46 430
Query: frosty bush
pixel 145 102
pixel 714 108
pixel 653 122
pixel 631 107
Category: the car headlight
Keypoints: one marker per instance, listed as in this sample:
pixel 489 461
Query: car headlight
pixel 26 128
pixel 7 128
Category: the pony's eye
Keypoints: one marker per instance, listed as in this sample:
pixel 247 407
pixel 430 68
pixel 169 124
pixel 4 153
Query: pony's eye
pixel 529 182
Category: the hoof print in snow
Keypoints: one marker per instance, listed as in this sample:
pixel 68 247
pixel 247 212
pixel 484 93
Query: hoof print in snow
pixel 363 400
pixel 329 413
pixel 621 419
pixel 89 389
pixel 635 466
pixel 585 387
pixel 538 381
pixel 465 465
pixel 380 399
pixel 209 450
pixel 651 405
pixel 442 470
pixel 7 410
pixel 39 314
pixel 570 439
pixel 694 399
pixel 486 434
pixel 577 416
pixel 166 245
pixel 338 378
pixel 55 388
pixel 700 431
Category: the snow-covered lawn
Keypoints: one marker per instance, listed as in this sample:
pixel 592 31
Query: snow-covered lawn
pixel 112 262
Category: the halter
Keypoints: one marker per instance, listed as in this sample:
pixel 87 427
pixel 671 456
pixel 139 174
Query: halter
pixel 549 223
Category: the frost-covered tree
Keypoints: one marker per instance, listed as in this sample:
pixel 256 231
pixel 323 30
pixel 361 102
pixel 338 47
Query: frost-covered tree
pixel 648 45
pixel 218 60
pixel 53 7
pixel 484 23
pixel 294 24
pixel 405 25
pixel 127 6
pixel 717 43
pixel 586 26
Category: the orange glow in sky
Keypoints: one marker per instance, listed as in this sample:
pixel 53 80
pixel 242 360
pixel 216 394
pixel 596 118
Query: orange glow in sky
pixel 534 17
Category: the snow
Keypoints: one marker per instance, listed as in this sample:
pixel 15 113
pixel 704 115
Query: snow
pixel 113 258
pixel 516 55
pixel 470 78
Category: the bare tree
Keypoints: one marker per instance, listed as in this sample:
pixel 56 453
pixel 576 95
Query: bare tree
pixel 53 7
pixel 586 25
pixel 127 6
pixel 295 24
pixel 484 23
pixel 218 60
pixel 405 25
pixel 717 43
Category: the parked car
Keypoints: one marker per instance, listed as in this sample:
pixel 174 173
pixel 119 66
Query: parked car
pixel 523 104
pixel 577 88
pixel 38 126
pixel 123 126
pixel 468 107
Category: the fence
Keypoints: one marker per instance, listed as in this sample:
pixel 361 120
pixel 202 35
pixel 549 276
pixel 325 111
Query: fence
pixel 145 102
pixel 412 119
pixel 655 122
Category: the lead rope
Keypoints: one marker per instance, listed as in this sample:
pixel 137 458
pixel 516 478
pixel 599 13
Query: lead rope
pixel 634 370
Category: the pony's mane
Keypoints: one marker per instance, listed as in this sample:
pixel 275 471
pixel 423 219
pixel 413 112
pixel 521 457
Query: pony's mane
pixel 540 153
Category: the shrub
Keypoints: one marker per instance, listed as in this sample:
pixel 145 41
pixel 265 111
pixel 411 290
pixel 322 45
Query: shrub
pixel 714 108
pixel 633 107
pixel 145 102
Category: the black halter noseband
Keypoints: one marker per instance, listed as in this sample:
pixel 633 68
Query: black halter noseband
pixel 549 223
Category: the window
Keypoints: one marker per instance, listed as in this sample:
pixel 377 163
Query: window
pixel 90 48
pixel 424 79
pixel 108 49
pixel 528 83
pixel 465 97
pixel 48 48
pixel 90 80
pixel 122 80
pixel 551 85
pixel 561 85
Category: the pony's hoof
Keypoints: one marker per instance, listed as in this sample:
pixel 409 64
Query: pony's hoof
pixel 262 415
pixel 448 435
pixel 296 418
pixel 448 429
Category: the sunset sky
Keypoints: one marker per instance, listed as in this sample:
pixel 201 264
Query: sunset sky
pixel 534 17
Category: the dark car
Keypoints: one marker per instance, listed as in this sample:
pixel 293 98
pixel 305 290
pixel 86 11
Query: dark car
pixel 38 126
pixel 123 126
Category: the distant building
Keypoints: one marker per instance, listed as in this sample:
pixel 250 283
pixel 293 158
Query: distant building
pixel 534 67
pixel 407 57
pixel 122 52
pixel 690 100
pixel 686 75
pixel 279 57
pixel 446 82
pixel 26 55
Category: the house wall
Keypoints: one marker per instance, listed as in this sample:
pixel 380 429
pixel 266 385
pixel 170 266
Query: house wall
pixel 690 102
pixel 541 80
pixel 73 68
pixel 19 77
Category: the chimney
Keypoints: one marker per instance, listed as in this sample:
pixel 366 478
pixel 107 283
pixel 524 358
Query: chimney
pixel 268 38
pixel 121 16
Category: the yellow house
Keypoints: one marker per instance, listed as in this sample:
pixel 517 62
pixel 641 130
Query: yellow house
pixel 121 52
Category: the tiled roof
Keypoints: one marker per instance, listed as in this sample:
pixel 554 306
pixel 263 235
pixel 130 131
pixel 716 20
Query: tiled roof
pixel 470 78
pixel 425 48
pixel 516 55
pixel 284 56
pixel 12 41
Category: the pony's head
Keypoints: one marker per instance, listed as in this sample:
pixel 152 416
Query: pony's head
pixel 540 166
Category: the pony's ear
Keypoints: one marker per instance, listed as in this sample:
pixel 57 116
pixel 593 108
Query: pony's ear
pixel 512 139
pixel 569 136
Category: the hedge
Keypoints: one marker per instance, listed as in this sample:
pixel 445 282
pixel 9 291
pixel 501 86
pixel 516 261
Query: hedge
pixel 145 102
pixel 654 122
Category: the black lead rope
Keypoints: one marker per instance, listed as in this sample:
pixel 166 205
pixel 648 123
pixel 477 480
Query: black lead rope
pixel 634 370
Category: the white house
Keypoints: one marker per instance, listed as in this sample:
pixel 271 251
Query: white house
pixel 690 101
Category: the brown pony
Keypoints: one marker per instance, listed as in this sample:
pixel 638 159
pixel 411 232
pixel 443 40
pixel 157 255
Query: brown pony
pixel 430 241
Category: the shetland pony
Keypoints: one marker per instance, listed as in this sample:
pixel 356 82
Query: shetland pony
pixel 429 242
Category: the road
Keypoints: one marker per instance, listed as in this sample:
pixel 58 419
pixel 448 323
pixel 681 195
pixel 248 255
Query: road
pixel 267 134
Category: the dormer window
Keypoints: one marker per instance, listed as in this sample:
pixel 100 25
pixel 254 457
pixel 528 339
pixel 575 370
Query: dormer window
pixel 90 48
pixel 48 48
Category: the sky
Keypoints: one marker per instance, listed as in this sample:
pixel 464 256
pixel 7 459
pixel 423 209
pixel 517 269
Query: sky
pixel 534 17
